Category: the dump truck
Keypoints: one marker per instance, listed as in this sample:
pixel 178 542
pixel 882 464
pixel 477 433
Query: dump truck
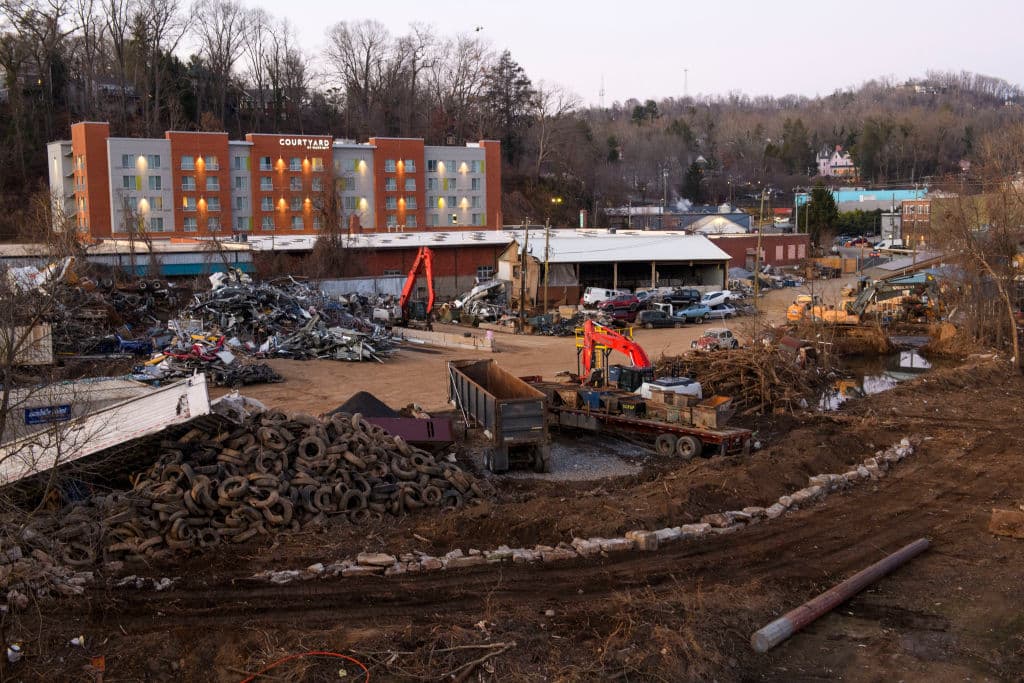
pixel 511 412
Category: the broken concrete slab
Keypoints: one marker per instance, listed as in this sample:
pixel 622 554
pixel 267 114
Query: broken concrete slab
pixel 375 559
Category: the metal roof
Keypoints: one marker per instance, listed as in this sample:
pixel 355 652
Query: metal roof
pixel 566 246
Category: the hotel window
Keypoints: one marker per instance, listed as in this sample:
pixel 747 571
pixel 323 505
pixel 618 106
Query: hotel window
pixel 153 160
pixel 266 164
pixel 188 183
pixel 188 203
pixel 190 224
pixel 431 165
pixel 211 164
pixel 454 219
pixel 213 224
pixel 410 203
pixel 295 164
pixel 266 204
pixel 128 182
pixel 318 164
pixel 475 166
pixel 188 163
pixel 213 204
pixel 295 184
pixel 390 203
pixel 296 204
pixel 392 221
pixel 478 219
pixel 155 182
pixel 127 161
pixel 213 184
pixel 316 222
pixel 410 165
pixel 475 201
pixel 451 166
pixel 390 184
pixel 297 223
pixel 410 222
pixel 432 220
pixel 156 203
pixel 267 223
pixel 241 203
pixel 474 183
pixel 389 165
pixel 266 183
pixel 451 202
pixel 238 163
pixel 410 184
pixel 127 202
pixel 318 184
pixel 431 183
pixel 242 223
pixel 156 224
pixel 350 203
pixel 239 182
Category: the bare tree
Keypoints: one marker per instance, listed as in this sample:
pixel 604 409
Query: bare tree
pixel 258 37
pixel 456 79
pixel 220 27
pixel 118 19
pixel 357 53
pixel 553 108
pixel 164 28
pixel 414 52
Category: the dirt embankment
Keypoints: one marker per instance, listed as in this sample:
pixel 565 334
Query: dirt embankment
pixel 683 613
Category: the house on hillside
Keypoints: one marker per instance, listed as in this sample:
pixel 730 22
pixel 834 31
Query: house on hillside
pixel 836 163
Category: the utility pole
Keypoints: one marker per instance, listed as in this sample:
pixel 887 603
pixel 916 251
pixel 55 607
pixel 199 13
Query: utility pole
pixel 757 257
pixel 547 253
pixel 522 275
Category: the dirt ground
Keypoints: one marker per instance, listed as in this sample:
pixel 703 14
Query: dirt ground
pixel 683 613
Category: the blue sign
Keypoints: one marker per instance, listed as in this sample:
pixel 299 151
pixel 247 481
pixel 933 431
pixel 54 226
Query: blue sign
pixel 44 414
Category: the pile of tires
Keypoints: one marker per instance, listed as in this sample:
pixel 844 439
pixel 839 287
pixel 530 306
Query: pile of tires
pixel 277 472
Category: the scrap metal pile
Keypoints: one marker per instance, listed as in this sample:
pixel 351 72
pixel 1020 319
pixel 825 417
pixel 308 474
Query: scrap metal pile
pixel 289 319
pixel 190 352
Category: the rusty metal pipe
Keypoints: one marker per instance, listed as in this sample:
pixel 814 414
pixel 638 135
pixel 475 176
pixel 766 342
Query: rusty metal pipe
pixel 794 620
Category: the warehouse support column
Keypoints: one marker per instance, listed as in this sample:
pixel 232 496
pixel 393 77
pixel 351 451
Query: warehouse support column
pixel 615 275
pixel 654 274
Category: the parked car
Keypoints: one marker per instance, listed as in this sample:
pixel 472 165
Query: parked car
pixel 647 296
pixel 657 318
pixel 681 297
pixel 716 298
pixel 595 295
pixel 715 339
pixel 696 313
pixel 857 242
pixel 722 311
pixel 627 302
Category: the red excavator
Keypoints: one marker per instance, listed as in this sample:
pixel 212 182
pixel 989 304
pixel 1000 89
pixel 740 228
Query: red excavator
pixel 600 339
pixel 417 310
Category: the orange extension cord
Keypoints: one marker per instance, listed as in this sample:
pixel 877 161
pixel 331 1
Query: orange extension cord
pixel 300 655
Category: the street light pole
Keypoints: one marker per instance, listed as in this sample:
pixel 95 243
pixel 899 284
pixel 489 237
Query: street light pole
pixel 522 276
pixel 757 257
pixel 547 250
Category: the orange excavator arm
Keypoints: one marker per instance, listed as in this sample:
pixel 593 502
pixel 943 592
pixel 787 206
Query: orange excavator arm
pixel 594 334
pixel 425 260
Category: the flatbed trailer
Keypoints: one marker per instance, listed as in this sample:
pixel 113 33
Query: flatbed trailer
pixel 685 441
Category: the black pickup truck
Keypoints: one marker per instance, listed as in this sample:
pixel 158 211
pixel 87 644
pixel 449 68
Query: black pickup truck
pixel 681 297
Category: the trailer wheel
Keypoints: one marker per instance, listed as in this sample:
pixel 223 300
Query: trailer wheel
pixel 687 447
pixel 542 459
pixel 665 444
pixel 489 459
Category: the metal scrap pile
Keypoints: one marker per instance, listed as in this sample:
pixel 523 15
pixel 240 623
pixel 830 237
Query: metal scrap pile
pixel 188 353
pixel 289 319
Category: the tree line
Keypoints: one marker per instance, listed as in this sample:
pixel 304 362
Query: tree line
pixel 153 65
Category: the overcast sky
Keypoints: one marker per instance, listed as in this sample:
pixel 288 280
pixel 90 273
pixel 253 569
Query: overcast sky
pixel 754 46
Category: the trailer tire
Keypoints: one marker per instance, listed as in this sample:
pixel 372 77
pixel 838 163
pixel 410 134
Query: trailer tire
pixel 542 459
pixel 489 459
pixel 687 447
pixel 665 444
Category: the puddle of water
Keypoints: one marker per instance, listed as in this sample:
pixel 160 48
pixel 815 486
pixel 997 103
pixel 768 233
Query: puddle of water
pixel 874 375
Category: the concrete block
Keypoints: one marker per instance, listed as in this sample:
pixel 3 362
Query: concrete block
pixel 807 495
pixel 774 511
pixel 453 554
pixel 467 561
pixel 499 555
pixel 430 564
pixel 694 530
pixel 738 516
pixel 644 540
pixel 875 471
pixel 362 570
pixel 317 568
pixel 558 555
pixel 731 529
pixel 523 555
pixel 716 520
pixel 375 559
pixel 397 569
pixel 755 512
pixel 586 548
pixel 786 501
pixel 668 534
pixel 863 472
pixel 615 545
pixel 852 477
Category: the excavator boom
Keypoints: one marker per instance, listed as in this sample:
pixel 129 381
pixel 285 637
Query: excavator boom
pixel 594 335
pixel 424 260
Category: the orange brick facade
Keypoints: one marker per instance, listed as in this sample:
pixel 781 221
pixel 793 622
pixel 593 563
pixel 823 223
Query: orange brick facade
pixel 210 185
